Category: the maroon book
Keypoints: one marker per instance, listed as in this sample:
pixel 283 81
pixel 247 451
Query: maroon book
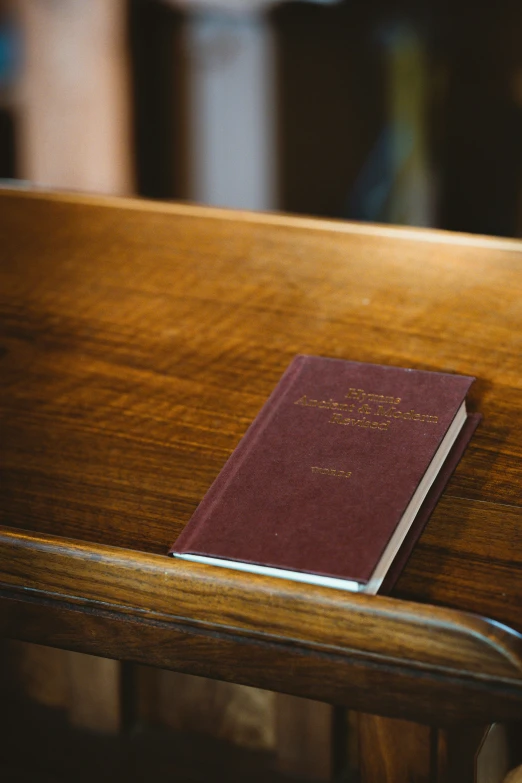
pixel 337 475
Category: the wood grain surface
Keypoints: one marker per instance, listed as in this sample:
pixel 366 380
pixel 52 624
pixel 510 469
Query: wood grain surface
pixel 138 341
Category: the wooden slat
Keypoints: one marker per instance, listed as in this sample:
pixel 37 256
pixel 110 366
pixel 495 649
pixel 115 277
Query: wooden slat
pixel 40 673
pixel 304 738
pixel 94 694
pixel 394 751
pixel 238 714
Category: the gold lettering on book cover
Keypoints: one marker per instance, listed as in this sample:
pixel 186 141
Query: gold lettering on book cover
pixel 332 472
pixel 362 408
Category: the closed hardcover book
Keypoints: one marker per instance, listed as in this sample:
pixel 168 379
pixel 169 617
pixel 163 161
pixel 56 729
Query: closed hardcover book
pixel 336 477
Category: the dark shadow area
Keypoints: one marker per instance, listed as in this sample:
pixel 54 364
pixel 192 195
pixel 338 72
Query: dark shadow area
pixel 38 743
pixel 155 32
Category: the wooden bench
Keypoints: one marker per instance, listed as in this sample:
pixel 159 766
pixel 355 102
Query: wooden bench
pixel 138 341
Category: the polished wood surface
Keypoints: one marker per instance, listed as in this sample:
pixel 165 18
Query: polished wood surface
pixel 139 340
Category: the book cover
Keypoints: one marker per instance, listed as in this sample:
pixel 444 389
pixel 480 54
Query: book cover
pixel 336 476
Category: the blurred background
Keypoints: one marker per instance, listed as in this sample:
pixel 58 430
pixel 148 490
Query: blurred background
pixel 384 110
